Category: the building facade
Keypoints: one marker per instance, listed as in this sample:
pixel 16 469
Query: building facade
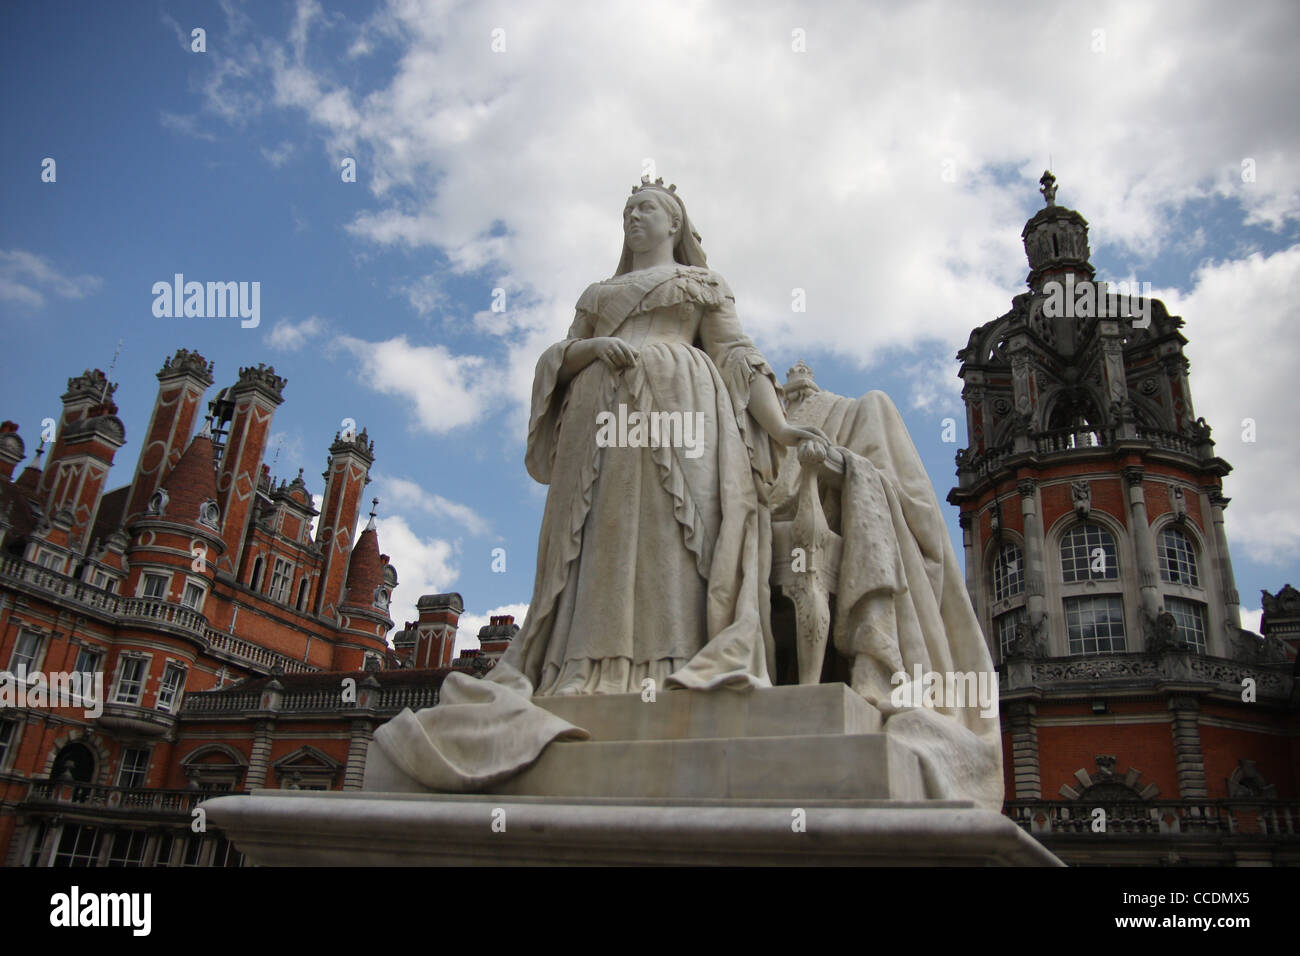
pixel 1141 723
pixel 186 633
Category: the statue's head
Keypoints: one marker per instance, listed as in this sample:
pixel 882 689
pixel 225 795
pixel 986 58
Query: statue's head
pixel 654 213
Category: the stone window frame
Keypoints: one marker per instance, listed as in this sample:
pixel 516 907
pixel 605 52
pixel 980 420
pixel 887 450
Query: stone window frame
pixel 1059 591
pixel 142 588
pixel 230 775
pixel 10 737
pixel 174 707
pixel 38 653
pixel 194 582
pixel 1199 594
pixel 58 562
pixel 123 658
pixel 142 771
pixel 281 585
pixel 1006 612
pixel 304 593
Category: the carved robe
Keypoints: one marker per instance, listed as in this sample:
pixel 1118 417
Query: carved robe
pixel 652 561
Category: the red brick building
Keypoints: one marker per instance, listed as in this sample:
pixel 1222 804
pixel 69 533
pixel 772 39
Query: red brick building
pixel 1091 507
pixel 235 649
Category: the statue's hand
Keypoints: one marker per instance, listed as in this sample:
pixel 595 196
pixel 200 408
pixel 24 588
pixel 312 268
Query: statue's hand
pixel 801 435
pixel 614 352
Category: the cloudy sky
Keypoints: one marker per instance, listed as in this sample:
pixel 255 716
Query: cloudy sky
pixel 880 157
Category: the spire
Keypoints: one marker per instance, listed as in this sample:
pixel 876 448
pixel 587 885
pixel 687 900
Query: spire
pixel 366 569
pixel 1056 240
pixel 191 488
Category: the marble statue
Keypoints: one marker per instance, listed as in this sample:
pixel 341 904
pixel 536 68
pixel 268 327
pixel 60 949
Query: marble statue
pixel 663 436
pixel 653 558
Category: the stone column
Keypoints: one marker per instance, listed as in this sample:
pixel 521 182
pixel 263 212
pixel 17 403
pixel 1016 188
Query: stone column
pixel 1022 716
pixel 354 774
pixel 1148 577
pixel 1223 566
pixel 1035 601
pixel 1187 748
pixel 259 760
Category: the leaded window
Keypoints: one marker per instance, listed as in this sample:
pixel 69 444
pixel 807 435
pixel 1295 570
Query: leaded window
pixel 1190 616
pixel 1095 624
pixel 1088 554
pixel 1008 573
pixel 1177 558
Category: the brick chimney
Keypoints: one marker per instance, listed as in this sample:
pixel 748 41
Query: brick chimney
pixel 181 383
pixel 435 641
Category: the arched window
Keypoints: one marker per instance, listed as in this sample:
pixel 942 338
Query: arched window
pixel 1008 573
pixel 1094 623
pixel 1177 558
pixel 1088 554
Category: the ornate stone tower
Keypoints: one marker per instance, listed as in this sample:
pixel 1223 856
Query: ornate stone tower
pixel 1091 509
pixel 1090 494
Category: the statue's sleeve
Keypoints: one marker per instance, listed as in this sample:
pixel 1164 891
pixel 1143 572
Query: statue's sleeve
pixel 548 394
pixel 739 363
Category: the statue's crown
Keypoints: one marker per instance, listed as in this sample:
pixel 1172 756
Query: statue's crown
pixel 800 376
pixel 657 184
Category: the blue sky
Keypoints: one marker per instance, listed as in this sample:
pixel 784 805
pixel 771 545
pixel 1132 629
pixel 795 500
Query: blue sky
pixel 886 169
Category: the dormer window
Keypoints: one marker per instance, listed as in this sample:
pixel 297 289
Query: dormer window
pixel 209 515
pixel 157 502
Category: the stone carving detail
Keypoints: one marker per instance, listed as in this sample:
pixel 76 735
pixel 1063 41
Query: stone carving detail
pixel 1162 633
pixel 1258 650
pixel 1026 642
pixel 1133 475
pixel 1081 495
pixel 1149 386
pixel 1177 503
pixel 1247 783
pixel 1026 487
pixel 1097 668
pixel 1199 429
pixel 1001 405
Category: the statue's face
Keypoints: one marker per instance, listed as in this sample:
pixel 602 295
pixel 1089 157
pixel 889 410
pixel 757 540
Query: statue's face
pixel 647 221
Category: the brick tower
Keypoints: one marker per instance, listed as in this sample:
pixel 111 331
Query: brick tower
pixel 1091 509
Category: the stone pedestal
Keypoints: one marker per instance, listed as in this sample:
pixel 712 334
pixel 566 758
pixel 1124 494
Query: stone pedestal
pixel 786 775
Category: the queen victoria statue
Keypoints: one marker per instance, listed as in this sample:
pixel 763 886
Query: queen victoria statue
pixel 663 437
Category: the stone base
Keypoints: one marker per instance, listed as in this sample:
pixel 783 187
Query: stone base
pixel 782 775
pixel 818 741
pixel 301 828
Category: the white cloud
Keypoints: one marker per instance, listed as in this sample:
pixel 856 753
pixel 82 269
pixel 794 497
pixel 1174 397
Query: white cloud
pixel 1244 351
pixel 27 278
pixel 1250 618
pixel 186 125
pixel 404 494
pixel 443 390
pixel 424 565
pixel 280 155
pixel 468 627
pixel 290 337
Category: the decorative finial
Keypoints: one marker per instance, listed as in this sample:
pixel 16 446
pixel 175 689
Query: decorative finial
pixel 1048 189
pixel 374 506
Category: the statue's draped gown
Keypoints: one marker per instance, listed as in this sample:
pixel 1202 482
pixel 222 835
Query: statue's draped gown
pixel 652 561
pixel 649 555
